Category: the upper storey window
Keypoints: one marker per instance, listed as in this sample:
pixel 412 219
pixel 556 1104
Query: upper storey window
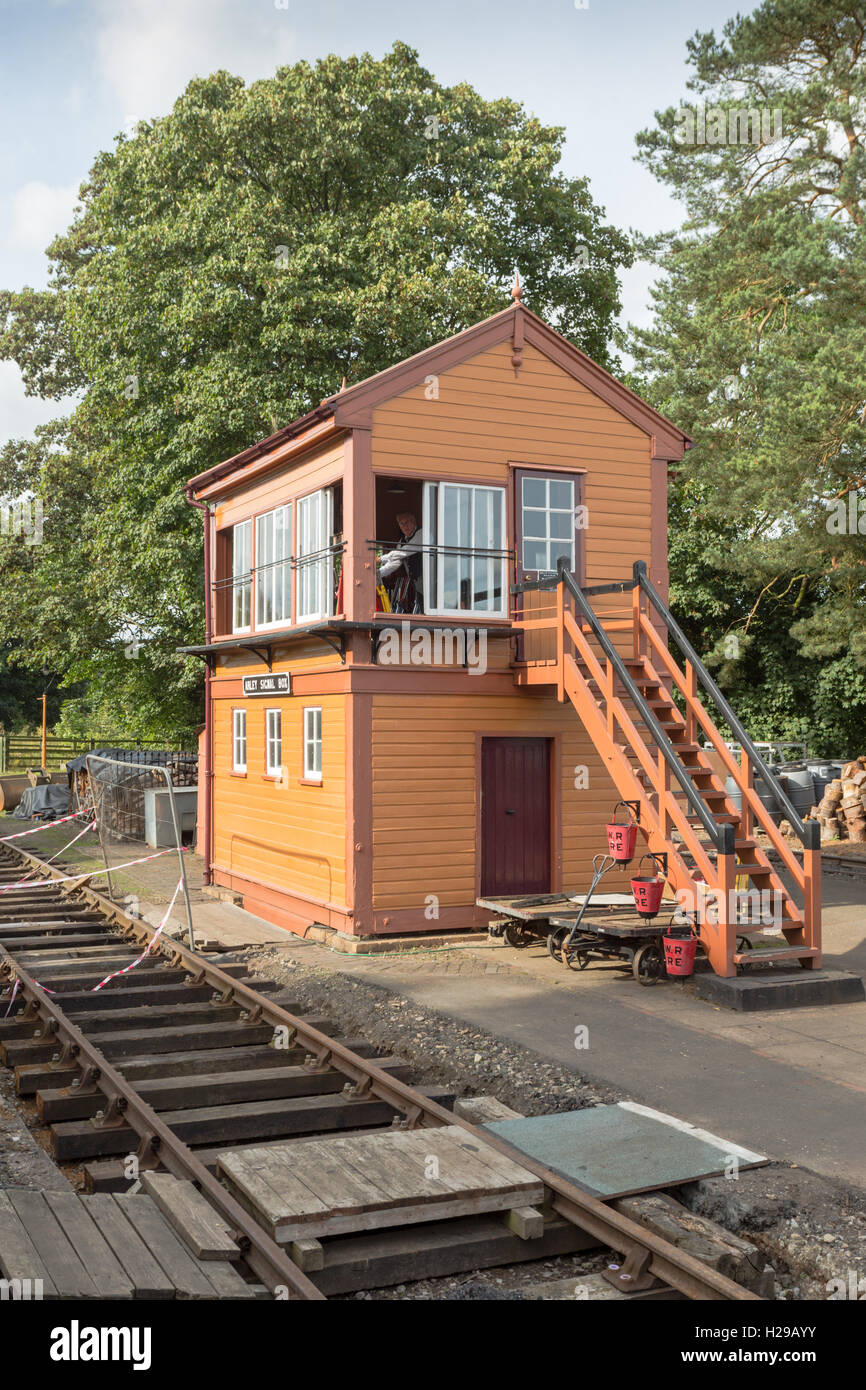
pixel 315 559
pixel 465 558
pixel 274 568
pixel 242 576
pixel 256 559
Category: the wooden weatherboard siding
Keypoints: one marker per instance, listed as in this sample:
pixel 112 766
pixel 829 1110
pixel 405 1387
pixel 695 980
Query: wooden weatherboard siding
pixel 287 837
pixel 426 784
pixel 487 421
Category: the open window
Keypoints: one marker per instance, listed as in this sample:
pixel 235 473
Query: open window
pixel 465 562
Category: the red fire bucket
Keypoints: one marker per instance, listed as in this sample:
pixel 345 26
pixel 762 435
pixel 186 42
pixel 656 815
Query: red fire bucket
pixel 680 954
pixel 647 895
pixel 621 838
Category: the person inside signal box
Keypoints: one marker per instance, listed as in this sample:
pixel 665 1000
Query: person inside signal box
pixel 406 560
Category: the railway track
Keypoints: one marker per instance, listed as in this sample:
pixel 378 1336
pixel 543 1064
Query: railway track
pixel 183 1058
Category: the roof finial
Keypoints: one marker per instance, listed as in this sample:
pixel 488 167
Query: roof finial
pixel 343 385
pixel 516 289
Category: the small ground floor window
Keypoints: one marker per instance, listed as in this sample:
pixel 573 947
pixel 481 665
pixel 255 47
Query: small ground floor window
pixel 313 745
pixel 239 740
pixel 274 742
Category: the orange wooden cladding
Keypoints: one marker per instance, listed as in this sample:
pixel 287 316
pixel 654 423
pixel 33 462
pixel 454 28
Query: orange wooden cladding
pixel 279 831
pixel 426 815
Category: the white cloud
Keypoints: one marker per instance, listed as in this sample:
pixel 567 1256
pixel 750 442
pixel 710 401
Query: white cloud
pixel 39 212
pixel 148 50
pixel 20 414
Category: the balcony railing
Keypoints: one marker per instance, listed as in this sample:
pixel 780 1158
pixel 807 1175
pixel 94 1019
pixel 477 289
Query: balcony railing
pixel 264 597
pixel 446 580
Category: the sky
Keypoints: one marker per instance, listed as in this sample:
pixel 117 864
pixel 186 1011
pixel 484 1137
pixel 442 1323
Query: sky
pixel 75 72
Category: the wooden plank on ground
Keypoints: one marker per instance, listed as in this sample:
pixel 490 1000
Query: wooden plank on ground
pixel 332 1180
pixel 65 1269
pixel 19 1258
pixel 325 1187
pixel 185 1273
pixel 268 1183
pixel 146 1275
pixel 102 1265
pixel 201 1228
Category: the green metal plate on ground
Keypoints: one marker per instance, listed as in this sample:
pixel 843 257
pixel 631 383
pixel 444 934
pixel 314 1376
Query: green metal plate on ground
pixel 617 1150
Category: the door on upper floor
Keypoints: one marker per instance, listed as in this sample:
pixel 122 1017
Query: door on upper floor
pixel 547 516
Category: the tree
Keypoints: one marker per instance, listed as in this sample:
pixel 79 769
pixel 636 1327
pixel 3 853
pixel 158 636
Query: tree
pixel 757 348
pixel 230 263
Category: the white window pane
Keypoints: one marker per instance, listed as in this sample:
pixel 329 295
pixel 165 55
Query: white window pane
pixel 534 524
pixel 534 555
pixel 561 525
pixel 562 493
pixel 534 492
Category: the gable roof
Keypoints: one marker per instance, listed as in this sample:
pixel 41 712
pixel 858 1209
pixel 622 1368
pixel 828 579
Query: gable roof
pixel 354 405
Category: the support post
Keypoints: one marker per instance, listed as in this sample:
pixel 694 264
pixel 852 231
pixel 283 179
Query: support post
pixel 812 905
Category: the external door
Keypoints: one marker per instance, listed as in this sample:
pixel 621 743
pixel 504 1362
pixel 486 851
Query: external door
pixel 515 816
pixel 547 517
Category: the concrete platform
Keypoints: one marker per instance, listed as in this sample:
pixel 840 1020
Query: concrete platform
pixel 780 989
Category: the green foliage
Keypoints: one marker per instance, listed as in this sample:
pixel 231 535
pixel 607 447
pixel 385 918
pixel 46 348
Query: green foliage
pixel 21 695
pixel 229 264
pixel 757 350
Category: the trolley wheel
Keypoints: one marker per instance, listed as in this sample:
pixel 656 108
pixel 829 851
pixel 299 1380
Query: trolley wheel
pixel 743 943
pixel 648 966
pixel 574 958
pixel 515 934
pixel 555 942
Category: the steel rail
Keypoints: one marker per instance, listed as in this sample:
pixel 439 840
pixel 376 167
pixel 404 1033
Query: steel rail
pixel 264 1257
pixel 676 1268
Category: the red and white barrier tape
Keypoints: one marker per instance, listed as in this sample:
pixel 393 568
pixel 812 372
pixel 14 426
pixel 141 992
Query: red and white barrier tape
pixel 90 826
pixel 91 873
pixel 115 973
pixel 148 948
pixel 12 1000
pixel 19 835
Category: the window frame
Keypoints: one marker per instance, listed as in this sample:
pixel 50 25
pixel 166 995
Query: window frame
pixel 276 569
pixel 239 712
pixel 325 566
pixel 434 569
pixel 312 742
pixel 274 770
pixel 242 579
pixel 577 478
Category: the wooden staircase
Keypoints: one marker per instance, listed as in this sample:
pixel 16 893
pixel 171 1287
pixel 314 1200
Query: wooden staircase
pixel 722 875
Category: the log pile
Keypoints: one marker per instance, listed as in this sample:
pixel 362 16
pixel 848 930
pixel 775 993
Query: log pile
pixel 842 811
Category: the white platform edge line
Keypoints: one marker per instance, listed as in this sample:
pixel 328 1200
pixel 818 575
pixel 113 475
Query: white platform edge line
pixel 725 1145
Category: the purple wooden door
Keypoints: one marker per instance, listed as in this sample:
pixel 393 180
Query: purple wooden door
pixel 515 816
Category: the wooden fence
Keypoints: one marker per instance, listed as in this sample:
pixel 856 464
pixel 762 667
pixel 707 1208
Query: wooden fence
pixel 20 751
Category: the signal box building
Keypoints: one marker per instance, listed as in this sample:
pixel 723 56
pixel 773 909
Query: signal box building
pixel 375 772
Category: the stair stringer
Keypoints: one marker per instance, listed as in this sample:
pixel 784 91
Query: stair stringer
pixel 680 876
pixel 793 927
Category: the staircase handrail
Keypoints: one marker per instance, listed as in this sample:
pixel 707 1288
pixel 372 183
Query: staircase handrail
pixel 808 832
pixel 722 835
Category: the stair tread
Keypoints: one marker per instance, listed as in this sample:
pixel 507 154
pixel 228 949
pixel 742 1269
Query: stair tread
pixel 775 953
